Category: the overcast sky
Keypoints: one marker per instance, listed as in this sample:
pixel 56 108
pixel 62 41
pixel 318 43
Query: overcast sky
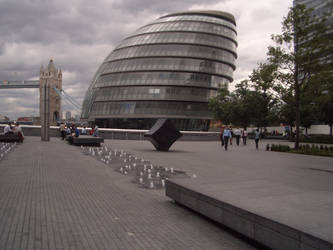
pixel 79 34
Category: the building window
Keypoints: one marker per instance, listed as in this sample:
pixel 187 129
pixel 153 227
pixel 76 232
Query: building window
pixel 154 91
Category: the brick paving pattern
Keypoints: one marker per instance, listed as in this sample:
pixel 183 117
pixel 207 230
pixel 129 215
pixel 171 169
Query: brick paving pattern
pixel 54 197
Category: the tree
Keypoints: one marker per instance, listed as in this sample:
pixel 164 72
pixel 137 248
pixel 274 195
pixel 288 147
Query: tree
pixel 262 79
pixel 323 101
pixel 242 107
pixel 233 107
pixel 298 54
pixel 221 106
pixel 308 108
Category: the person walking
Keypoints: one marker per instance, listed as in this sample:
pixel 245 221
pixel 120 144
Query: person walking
pixel 84 131
pixel 256 137
pixel 96 133
pixel 244 136
pixel 231 134
pixel 8 129
pixel 226 136
pixel 221 136
pixel 18 130
pixel 237 134
pixel 76 131
pixel 62 130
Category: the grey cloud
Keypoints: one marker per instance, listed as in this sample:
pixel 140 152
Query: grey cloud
pixel 79 34
pixel 47 21
pixel 159 6
pixel 2 47
pixel 15 103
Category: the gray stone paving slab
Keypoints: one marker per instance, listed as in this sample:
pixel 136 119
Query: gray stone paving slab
pixel 295 190
pixel 54 197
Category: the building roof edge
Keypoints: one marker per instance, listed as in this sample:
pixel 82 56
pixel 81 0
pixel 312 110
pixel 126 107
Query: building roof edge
pixel 213 13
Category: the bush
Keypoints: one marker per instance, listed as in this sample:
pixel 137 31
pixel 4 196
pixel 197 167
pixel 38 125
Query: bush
pixel 324 139
pixel 278 148
pixel 321 150
pixel 307 149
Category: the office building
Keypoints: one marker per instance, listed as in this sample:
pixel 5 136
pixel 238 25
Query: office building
pixel 169 68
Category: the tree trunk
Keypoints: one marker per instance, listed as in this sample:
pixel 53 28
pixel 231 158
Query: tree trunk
pixel 330 129
pixel 291 132
pixel 298 117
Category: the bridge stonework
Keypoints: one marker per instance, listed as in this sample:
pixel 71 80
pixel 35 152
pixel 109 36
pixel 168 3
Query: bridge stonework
pixel 50 78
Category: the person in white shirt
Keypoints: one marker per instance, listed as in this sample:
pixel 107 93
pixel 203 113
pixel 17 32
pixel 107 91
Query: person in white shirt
pixel 68 130
pixel 8 129
pixel 62 129
pixel 84 131
pixel 237 134
pixel 18 130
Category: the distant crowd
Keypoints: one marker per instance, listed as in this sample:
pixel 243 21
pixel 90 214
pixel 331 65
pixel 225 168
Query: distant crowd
pixel 14 129
pixel 227 134
pixel 74 131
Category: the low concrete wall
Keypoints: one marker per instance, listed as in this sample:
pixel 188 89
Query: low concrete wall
pixel 30 130
pixel 255 227
pixel 131 134
pixel 123 134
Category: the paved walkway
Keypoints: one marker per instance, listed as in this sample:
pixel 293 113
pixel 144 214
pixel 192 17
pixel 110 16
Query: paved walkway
pixel 291 189
pixel 54 197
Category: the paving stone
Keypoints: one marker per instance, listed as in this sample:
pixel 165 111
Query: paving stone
pixel 54 197
pixel 293 193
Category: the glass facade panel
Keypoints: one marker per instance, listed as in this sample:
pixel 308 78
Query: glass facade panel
pixel 153 93
pixel 189 26
pixel 179 37
pixel 207 19
pixel 205 66
pixel 152 108
pixel 174 50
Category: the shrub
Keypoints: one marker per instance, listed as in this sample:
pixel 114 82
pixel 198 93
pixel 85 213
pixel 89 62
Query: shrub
pixel 324 139
pixel 279 148
pixel 321 150
pixel 303 149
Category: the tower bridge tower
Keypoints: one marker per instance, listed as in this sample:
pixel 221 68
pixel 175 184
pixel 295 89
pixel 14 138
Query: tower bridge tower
pixel 50 77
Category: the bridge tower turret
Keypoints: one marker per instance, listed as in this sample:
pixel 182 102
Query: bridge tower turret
pixel 50 77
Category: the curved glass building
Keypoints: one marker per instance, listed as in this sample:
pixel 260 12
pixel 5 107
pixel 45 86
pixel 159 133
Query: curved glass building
pixel 167 69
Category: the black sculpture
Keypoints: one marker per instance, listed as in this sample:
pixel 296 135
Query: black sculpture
pixel 163 134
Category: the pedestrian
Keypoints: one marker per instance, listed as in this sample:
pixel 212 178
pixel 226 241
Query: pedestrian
pixel 244 136
pixel 73 128
pixel 237 134
pixel 231 134
pixel 226 136
pixel 62 130
pixel 84 131
pixel 18 130
pixel 256 137
pixel 8 129
pixel 221 135
pixel 96 133
pixel 76 132
pixel 68 130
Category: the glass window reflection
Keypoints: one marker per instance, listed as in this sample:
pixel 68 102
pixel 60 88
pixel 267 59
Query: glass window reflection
pixel 181 37
pixel 178 64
